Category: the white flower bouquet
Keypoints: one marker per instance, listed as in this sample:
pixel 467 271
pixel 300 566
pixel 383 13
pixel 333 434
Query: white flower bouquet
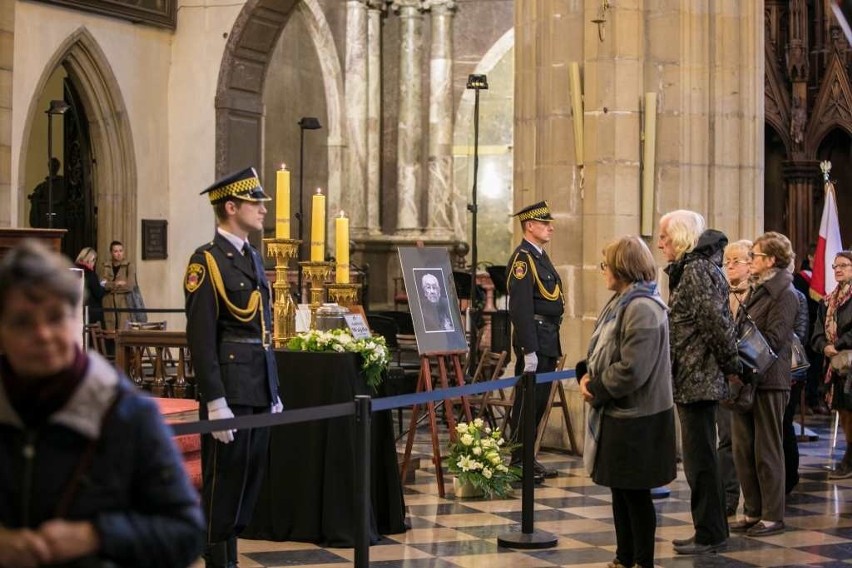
pixel 480 457
pixel 374 353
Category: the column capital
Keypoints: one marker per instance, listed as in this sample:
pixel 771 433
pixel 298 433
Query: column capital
pixel 447 5
pixel 379 5
pixel 398 5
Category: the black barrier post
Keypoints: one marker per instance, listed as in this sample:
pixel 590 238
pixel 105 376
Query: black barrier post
pixel 528 537
pixel 363 415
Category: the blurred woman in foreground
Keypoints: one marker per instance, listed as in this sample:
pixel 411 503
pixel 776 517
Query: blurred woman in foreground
pixel 89 476
pixel 631 444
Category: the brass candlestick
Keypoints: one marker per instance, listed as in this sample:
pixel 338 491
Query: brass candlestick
pixel 344 294
pixel 283 308
pixel 316 273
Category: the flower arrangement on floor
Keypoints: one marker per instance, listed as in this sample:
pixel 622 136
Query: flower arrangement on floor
pixel 479 457
pixel 374 353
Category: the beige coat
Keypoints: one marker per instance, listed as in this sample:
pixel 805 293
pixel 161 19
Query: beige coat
pixel 116 296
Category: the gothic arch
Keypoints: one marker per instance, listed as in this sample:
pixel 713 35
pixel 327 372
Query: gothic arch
pixel 833 106
pixel 777 99
pixel 239 94
pixel 114 164
pixel 463 124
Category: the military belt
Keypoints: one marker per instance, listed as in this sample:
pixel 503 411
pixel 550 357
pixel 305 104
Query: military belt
pixel 553 320
pixel 249 340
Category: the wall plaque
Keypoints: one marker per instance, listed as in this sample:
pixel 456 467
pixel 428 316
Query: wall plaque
pixel 160 13
pixel 155 239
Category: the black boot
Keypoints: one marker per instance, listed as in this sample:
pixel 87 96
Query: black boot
pixel 232 552
pixel 216 555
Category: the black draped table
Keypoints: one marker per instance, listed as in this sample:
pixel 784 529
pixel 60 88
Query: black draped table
pixel 309 490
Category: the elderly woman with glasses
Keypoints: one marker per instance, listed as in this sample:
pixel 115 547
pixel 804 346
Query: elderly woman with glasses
pixel 757 434
pixel 89 476
pixel 630 446
pixel 833 335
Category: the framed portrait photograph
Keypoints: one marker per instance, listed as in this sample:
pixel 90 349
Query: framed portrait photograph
pixel 432 299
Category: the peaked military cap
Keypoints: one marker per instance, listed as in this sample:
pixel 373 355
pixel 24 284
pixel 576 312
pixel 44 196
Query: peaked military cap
pixel 243 185
pixel 536 212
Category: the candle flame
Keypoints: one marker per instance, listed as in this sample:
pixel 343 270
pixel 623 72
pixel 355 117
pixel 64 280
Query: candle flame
pixel 283 166
pixel 342 214
pixel 319 191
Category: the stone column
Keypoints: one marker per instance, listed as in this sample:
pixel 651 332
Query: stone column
pixel 356 116
pixel 374 114
pixel 440 182
pixel 409 144
pixel 801 177
pixel 8 199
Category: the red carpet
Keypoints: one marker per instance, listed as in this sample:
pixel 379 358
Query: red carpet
pixel 183 410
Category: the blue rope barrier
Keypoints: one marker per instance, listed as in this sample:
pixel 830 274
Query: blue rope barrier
pixel 347 408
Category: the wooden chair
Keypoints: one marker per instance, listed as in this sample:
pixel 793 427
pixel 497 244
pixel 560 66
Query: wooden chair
pixel 496 362
pixel 400 297
pixel 98 340
pixel 556 388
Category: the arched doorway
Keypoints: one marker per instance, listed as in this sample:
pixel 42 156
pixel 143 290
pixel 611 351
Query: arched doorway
pixel 96 149
pixel 836 147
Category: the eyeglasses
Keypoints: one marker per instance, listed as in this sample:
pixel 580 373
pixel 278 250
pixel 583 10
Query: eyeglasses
pixel 754 254
pixel 604 265
pixel 731 261
pixel 844 265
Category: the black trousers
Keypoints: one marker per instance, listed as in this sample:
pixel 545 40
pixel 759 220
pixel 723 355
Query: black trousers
pixel 232 475
pixel 542 392
pixel 635 526
pixel 789 442
pixel 701 466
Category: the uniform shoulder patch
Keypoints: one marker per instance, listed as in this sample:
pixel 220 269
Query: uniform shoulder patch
pixel 194 277
pixel 519 269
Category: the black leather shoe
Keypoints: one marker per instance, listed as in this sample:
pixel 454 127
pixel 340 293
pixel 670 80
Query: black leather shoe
pixel 696 549
pixel 538 478
pixel 766 528
pixel 683 541
pixel 545 472
pixel 216 555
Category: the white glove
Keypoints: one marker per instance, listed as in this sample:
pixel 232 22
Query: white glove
pixel 218 410
pixel 277 406
pixel 530 362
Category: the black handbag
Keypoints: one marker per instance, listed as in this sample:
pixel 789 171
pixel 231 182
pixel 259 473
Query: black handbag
pixel 742 398
pixel 755 352
pixel 799 362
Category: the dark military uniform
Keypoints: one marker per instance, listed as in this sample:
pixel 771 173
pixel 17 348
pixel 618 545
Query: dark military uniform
pixel 228 330
pixel 536 305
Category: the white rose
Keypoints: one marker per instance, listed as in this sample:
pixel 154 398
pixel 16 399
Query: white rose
pixel 467 439
pixel 486 472
pixel 477 451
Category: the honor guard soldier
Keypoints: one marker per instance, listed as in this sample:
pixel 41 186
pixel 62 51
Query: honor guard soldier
pixel 536 305
pixel 228 329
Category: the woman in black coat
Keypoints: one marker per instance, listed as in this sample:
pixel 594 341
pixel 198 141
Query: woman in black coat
pixel 95 290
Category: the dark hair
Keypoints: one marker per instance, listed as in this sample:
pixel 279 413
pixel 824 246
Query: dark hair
pixel 847 254
pixel 113 243
pixel 36 271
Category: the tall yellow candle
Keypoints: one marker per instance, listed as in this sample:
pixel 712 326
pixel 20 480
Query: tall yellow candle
pixel 282 203
pixel 318 227
pixel 341 249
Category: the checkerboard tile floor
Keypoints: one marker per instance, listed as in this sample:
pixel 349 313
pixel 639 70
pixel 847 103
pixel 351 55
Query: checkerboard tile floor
pixel 463 533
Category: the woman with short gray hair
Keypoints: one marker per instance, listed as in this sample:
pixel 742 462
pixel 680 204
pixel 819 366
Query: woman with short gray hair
pixel 704 354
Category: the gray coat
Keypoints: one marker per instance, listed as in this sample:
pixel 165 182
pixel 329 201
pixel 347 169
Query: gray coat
pixel 703 341
pixel 631 383
pixel 773 306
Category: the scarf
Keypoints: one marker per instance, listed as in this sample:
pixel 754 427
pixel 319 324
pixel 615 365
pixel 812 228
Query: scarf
pixel 837 298
pixel 737 296
pixel 36 400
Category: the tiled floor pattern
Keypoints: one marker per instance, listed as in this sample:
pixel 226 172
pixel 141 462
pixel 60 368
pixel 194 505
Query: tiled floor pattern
pixel 463 533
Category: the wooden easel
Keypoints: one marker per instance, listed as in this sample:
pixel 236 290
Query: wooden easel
pixel 424 384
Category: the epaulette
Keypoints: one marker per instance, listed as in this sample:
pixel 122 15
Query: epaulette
pixel 204 248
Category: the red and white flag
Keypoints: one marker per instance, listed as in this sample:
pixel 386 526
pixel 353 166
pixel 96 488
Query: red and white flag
pixel 828 245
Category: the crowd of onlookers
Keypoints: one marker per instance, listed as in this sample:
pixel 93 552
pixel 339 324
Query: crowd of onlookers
pixel 647 358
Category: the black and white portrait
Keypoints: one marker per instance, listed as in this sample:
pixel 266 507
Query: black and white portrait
pixel 432 299
pixel 434 306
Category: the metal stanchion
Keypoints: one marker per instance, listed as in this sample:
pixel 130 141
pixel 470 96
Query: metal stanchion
pixel 363 415
pixel 528 537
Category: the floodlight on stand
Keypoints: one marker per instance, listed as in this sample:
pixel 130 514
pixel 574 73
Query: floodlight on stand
pixel 305 123
pixel 57 107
